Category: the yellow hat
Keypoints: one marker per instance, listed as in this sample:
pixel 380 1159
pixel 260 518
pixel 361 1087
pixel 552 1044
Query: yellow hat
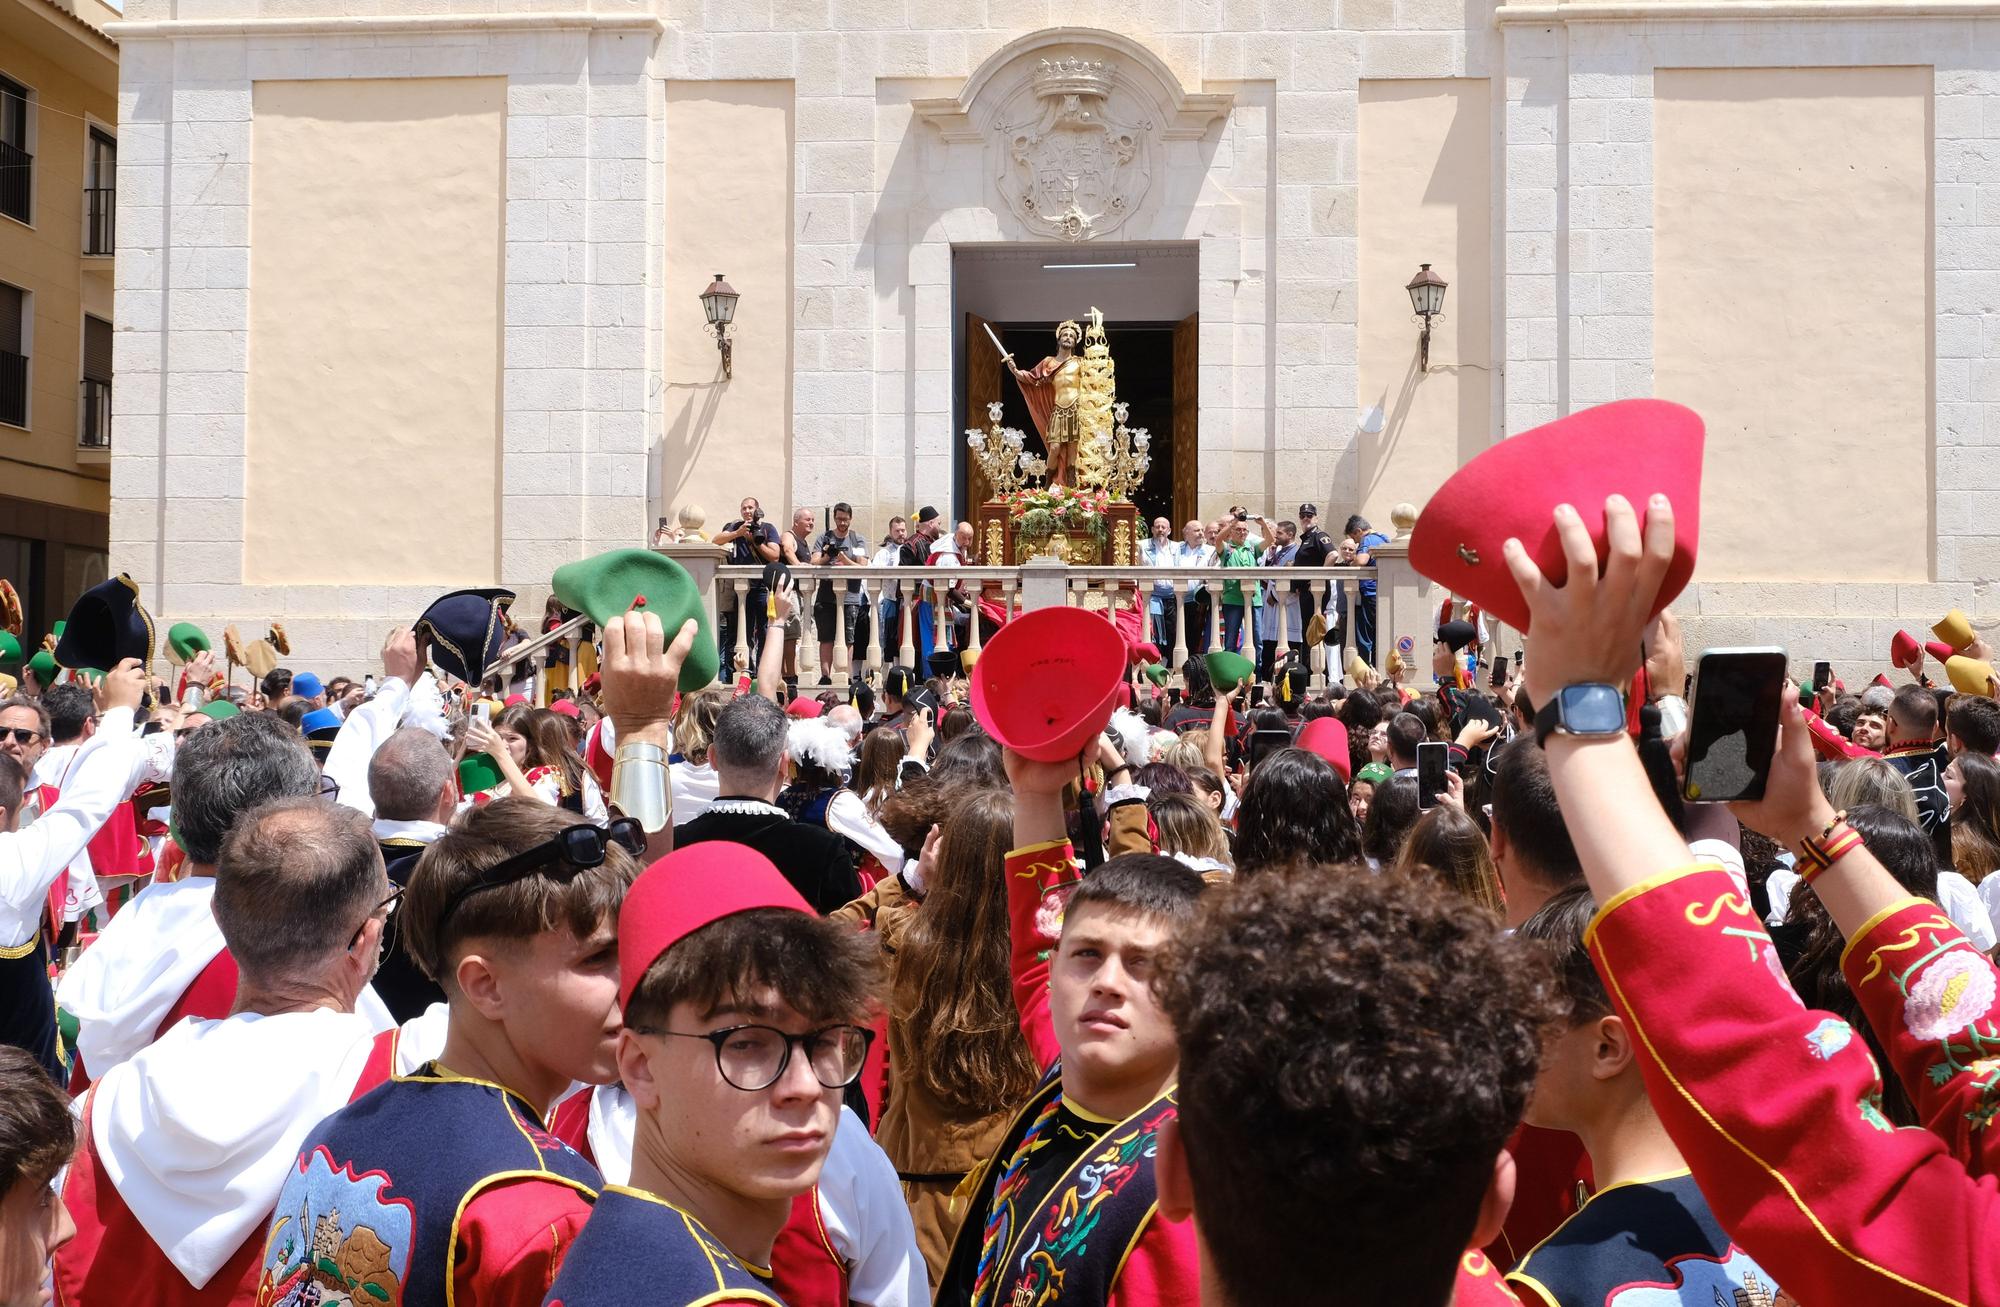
pixel 1969 675
pixel 8 685
pixel 1955 630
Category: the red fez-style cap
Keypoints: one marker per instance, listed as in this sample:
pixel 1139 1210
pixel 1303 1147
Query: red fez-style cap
pixel 1882 681
pixel 804 708
pixel 566 707
pixel 1636 447
pixel 1048 681
pixel 515 700
pixel 1327 737
pixel 1905 652
pixel 688 889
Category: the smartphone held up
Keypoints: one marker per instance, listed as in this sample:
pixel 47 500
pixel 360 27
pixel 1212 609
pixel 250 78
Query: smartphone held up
pixel 1733 724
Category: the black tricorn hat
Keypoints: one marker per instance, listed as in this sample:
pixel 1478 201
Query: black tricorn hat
pixel 106 625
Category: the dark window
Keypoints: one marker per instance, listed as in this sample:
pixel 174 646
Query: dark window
pixel 13 356
pixel 17 166
pixel 100 194
pixel 94 432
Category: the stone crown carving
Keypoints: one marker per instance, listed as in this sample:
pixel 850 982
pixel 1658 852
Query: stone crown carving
pixel 1055 77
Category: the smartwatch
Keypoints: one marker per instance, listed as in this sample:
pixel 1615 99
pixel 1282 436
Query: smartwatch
pixel 1590 709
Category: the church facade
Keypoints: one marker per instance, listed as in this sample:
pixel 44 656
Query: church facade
pixel 409 290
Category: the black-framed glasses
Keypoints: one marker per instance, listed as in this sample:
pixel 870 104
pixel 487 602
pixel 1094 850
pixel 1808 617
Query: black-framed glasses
pixel 21 734
pixel 572 851
pixel 753 1058
pixel 329 788
pixel 386 909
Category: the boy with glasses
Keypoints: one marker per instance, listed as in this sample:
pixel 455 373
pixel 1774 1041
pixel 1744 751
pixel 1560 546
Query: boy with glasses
pixel 443 1186
pixel 745 1018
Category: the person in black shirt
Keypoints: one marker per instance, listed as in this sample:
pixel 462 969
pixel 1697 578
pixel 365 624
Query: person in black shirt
pixel 751 541
pixel 1315 548
pixel 748 752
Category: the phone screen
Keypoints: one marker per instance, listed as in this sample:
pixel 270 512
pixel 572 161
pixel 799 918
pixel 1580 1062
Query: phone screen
pixel 1499 677
pixel 1822 676
pixel 1733 723
pixel 1432 762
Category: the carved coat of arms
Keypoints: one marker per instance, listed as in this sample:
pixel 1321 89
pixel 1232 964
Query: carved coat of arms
pixel 1073 171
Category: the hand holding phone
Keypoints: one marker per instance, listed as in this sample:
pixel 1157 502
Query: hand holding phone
pixel 1433 764
pixel 1733 723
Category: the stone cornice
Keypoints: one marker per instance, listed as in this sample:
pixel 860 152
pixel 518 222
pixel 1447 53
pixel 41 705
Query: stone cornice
pixel 386 25
pixel 1730 11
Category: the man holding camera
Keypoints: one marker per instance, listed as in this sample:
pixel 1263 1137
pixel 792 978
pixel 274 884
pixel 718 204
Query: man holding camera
pixel 840 546
pixel 751 542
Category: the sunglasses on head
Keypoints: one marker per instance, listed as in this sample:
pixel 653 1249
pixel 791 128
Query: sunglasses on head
pixel 572 851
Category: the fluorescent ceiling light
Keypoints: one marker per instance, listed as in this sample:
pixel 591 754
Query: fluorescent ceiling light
pixel 1052 267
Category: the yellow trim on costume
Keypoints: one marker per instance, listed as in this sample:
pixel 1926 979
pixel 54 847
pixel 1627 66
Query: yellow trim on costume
pixel 1630 892
pixel 1633 1183
pixel 1522 1280
pixel 1868 926
pixel 1617 989
pixel 15 952
pixel 703 1237
pixel 1044 847
pixel 1091 1116
pixel 445 1075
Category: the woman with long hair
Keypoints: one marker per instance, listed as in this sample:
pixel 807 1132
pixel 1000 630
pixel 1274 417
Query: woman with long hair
pixel 1448 844
pixel 1972 782
pixel 532 748
pixel 958 1063
pixel 1294 809
pixel 1390 816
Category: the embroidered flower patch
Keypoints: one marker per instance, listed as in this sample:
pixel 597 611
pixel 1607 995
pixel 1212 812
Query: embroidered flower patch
pixel 1954 991
pixel 1829 1037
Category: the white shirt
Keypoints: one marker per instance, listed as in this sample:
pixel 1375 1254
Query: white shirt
pixel 31 858
pixel 890 555
pixel 1201 555
pixel 152 762
pixel 847 814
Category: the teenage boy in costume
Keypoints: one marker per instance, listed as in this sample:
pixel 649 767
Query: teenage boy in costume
pixel 1771 1104
pixel 1647 1223
pixel 463 1195
pixel 1354 1050
pixel 1085 954
pixel 745 1020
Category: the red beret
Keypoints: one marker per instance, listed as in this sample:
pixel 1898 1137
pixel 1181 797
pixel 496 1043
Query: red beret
pixel 567 707
pixel 1635 447
pixel 514 699
pixel 804 708
pixel 1048 680
pixel 1327 737
pixel 688 889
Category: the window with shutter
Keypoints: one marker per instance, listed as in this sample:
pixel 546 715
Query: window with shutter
pixel 94 431
pixel 13 356
pixel 100 193
pixel 96 348
pixel 17 164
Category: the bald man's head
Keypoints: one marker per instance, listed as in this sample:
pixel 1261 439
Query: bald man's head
pixel 407 775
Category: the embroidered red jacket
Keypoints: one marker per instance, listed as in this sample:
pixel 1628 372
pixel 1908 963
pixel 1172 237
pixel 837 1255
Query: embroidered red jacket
pixel 1775 1107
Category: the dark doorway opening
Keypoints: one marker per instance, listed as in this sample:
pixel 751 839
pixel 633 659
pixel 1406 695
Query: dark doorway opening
pixel 1144 355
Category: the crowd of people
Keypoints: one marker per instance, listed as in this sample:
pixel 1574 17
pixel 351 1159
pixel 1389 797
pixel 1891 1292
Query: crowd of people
pixel 1046 984
pixel 1239 538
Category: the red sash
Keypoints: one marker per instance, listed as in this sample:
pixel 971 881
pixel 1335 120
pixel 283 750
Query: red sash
pixel 805 1269
pixel 135 1270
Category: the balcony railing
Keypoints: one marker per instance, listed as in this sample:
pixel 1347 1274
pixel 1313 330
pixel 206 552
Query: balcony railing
pixel 101 205
pixel 13 389
pixel 94 432
pixel 17 181
pixel 1190 626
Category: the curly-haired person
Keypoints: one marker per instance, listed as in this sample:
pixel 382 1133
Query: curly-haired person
pixel 1354 1051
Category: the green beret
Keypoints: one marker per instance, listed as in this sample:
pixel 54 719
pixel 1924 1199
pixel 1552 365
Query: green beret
pixel 609 584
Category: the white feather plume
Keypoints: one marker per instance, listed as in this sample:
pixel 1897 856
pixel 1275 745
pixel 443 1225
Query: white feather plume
pixel 1129 729
pixel 821 743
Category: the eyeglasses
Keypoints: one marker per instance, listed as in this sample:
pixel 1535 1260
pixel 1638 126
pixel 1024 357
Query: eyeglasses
pixel 329 788
pixel 753 1058
pixel 576 849
pixel 21 734
pixel 386 909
